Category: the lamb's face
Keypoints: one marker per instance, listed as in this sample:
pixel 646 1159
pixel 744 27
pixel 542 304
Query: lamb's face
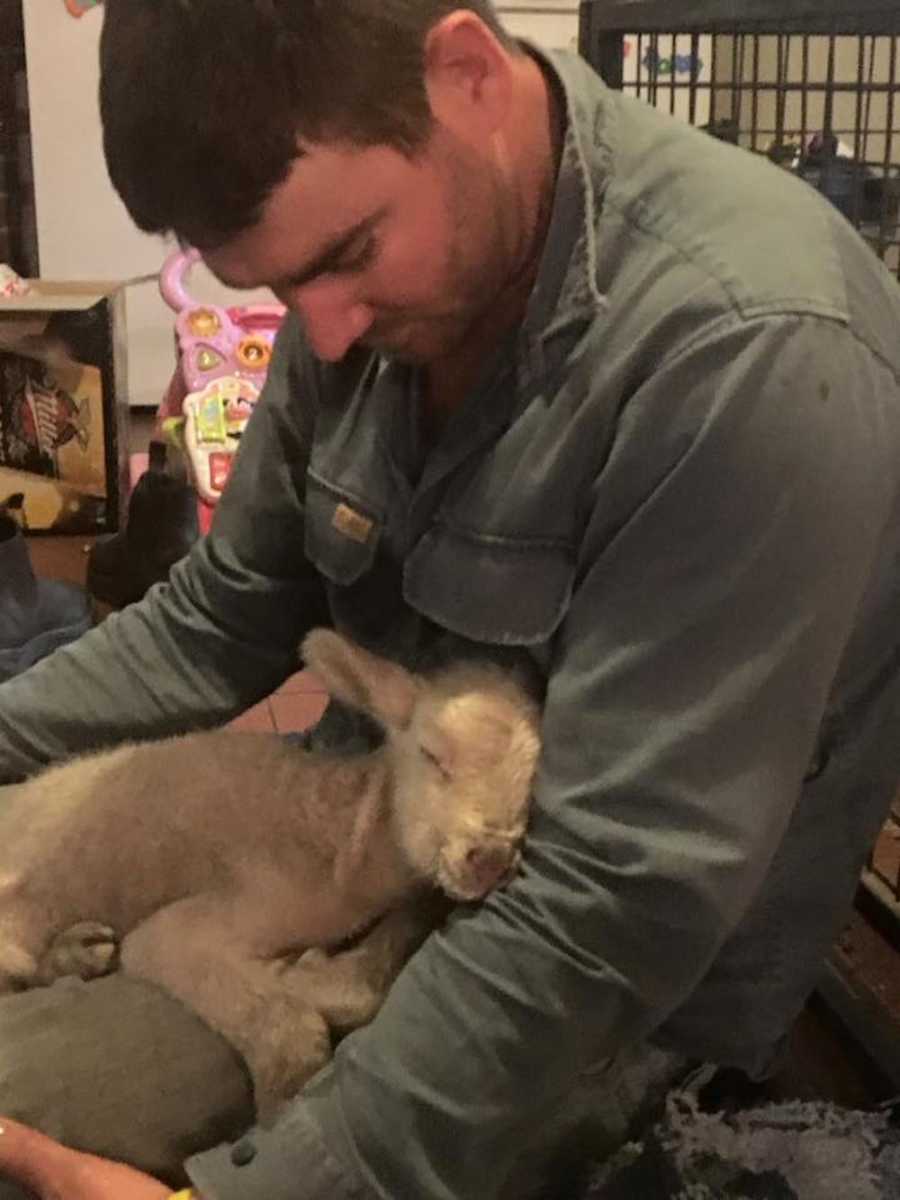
pixel 465 771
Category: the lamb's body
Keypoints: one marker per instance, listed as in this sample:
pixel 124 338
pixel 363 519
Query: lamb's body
pixel 267 852
pixel 214 860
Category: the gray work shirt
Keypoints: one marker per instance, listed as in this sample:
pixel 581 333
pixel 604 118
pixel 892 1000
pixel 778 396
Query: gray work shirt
pixel 675 495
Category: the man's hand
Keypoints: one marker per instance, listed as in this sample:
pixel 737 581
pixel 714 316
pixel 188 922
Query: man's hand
pixel 53 1172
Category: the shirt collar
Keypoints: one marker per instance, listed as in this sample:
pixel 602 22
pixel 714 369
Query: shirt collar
pixel 565 297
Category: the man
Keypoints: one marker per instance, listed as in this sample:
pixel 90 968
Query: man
pixel 571 383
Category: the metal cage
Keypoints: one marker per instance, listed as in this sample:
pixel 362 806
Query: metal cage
pixel 811 85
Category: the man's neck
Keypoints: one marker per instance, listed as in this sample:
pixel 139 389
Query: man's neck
pixel 448 381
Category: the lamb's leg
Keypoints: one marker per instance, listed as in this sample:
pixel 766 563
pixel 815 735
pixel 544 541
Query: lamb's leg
pixel 18 968
pixel 189 949
pixel 349 986
pixel 87 949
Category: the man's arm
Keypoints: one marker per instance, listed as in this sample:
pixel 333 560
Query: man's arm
pixel 44 1168
pixel 221 635
pixel 689 680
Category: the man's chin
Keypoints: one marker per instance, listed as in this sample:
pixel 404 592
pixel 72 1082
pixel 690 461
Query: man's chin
pixel 414 345
pixel 396 349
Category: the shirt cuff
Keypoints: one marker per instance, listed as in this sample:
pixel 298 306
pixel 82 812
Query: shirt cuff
pixel 291 1161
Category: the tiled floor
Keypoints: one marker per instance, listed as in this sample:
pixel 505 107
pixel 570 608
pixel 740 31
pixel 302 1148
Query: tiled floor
pixel 296 705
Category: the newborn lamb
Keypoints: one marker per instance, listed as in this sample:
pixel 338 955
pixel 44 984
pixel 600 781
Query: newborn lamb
pixel 216 860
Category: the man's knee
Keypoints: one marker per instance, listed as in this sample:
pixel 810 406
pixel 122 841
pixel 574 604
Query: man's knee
pixel 118 1068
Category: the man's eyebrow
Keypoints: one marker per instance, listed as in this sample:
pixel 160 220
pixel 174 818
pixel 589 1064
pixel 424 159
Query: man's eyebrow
pixel 331 256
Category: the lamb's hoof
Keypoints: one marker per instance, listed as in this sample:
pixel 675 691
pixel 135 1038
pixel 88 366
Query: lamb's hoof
pixel 87 950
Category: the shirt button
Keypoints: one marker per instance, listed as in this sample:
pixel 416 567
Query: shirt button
pixel 243 1153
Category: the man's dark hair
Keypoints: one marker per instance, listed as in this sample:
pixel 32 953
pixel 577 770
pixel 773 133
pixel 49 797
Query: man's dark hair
pixel 203 101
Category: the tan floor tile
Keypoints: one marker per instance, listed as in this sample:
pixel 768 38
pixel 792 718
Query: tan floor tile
pixel 303 681
pixel 296 711
pixel 258 719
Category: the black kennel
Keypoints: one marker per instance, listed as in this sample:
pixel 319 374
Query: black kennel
pixel 811 83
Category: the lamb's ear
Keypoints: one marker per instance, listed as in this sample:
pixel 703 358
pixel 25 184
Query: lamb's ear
pixel 363 680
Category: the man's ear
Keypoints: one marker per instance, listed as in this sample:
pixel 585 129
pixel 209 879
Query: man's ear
pixel 468 76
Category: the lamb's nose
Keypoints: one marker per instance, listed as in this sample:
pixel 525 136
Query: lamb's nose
pixel 488 865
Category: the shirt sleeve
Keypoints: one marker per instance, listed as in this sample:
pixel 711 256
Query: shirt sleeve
pixel 225 630
pixel 688 681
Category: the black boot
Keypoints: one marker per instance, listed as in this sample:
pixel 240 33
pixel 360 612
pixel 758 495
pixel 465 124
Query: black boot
pixel 161 527
pixel 36 615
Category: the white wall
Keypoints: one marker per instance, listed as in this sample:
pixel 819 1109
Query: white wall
pixel 83 229
pixel 553 24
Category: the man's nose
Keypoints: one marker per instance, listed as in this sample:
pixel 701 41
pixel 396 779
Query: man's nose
pixel 332 319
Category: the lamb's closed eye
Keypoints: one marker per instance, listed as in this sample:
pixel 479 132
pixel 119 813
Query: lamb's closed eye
pixel 433 757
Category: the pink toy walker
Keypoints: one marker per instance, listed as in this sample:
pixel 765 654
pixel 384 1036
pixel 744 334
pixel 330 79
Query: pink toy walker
pixel 224 356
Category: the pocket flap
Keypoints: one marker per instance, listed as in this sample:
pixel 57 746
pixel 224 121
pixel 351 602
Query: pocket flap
pixel 497 590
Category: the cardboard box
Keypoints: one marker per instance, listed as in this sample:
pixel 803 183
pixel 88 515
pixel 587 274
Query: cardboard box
pixel 63 406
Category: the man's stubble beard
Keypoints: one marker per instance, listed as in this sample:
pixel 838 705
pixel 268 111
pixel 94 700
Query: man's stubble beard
pixel 477 270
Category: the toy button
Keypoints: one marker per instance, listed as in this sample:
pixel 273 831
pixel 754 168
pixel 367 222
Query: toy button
pixel 243 1153
pixel 254 353
pixel 208 360
pixel 203 322
pixel 211 419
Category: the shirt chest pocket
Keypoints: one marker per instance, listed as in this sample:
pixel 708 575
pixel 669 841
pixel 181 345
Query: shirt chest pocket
pixel 341 533
pixel 486 589
pixel 498 590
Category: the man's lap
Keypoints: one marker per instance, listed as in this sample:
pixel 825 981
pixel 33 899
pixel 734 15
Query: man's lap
pixel 118 1068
